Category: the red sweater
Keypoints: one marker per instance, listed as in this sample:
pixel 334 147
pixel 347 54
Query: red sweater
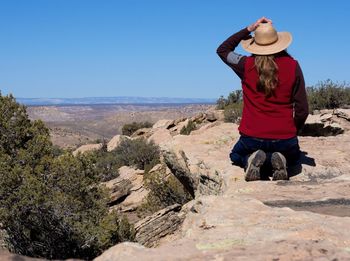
pixel 279 116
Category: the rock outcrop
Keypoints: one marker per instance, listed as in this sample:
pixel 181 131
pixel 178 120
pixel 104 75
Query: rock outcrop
pixel 127 190
pixel 304 218
pixel 115 141
pixel 87 147
pixel 162 223
pixel 326 123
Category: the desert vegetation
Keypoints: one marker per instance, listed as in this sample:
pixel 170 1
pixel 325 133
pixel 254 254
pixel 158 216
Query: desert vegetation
pixel 138 153
pixel 129 128
pixel 51 203
pixel 328 95
pixel 165 190
pixel 324 95
pixel 187 129
pixel 232 106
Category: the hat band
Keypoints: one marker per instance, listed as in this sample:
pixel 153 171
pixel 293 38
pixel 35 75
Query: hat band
pixel 253 41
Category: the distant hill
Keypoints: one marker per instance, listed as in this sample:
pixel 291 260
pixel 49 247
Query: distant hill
pixel 111 100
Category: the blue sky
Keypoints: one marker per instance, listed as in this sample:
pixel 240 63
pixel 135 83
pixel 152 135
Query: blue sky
pixel 155 48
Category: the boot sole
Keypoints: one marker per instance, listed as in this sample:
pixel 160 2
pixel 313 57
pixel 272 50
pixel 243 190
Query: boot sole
pixel 253 169
pixel 279 167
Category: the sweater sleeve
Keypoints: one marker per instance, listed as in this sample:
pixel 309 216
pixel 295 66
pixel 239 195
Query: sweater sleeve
pixel 301 107
pixel 227 54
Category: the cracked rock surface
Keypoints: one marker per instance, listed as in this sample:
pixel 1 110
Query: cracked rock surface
pixel 262 220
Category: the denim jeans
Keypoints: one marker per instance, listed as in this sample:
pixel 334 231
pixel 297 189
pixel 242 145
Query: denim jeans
pixel 245 146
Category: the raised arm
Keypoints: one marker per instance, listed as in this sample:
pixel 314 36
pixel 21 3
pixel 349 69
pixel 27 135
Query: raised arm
pixel 227 54
pixel 226 49
pixel 301 107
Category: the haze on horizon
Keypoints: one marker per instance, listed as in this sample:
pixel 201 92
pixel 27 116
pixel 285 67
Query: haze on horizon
pixel 91 48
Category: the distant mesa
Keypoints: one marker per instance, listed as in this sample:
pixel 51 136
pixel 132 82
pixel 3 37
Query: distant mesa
pixel 111 100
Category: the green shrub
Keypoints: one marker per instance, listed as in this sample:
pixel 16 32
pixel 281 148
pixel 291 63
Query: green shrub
pixel 164 191
pixel 234 97
pixel 233 112
pixel 137 153
pixel 51 204
pixel 106 164
pixel 232 106
pixel 328 95
pixel 186 130
pixel 130 128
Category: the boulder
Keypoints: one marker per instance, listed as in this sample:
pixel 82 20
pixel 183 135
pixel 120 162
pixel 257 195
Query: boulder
pixel 177 128
pixel 199 118
pixel 128 181
pixel 164 124
pixel 215 115
pixel 87 147
pixel 115 141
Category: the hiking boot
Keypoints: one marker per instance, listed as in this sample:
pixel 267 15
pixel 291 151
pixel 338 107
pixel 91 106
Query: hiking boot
pixel 279 166
pixel 255 161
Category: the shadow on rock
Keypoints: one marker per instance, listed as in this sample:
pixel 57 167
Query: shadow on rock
pixel 304 160
pixel 266 169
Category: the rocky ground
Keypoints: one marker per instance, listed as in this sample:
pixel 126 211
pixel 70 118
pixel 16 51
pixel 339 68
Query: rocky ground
pixel 305 218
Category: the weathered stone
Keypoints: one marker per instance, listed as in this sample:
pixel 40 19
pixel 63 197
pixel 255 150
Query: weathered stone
pixel 160 136
pixel 177 128
pixel 326 117
pixel 129 181
pixel 209 184
pixel 143 132
pixel 342 114
pixel 7 256
pixel 115 141
pixel 241 221
pixel 178 166
pixel 119 189
pixel 214 115
pixel 164 124
pixel 152 228
pixel 199 118
pixel 87 147
pixel 321 125
pixel 179 120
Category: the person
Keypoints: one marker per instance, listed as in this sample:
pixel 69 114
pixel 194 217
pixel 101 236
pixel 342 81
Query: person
pixel 275 104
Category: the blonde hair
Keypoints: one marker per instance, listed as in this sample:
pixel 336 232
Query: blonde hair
pixel 268 74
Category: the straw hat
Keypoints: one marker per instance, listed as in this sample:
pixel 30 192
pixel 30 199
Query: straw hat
pixel 267 41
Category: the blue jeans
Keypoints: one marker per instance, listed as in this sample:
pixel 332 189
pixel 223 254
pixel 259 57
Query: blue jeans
pixel 245 146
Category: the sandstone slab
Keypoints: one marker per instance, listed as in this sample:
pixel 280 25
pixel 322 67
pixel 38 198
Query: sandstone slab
pixel 258 220
pixel 87 147
pixel 115 141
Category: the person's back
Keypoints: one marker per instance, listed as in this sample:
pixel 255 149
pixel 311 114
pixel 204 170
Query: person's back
pixel 275 105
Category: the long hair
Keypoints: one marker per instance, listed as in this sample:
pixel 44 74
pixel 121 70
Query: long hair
pixel 268 73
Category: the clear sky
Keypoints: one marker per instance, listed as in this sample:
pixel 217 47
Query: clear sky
pixel 155 48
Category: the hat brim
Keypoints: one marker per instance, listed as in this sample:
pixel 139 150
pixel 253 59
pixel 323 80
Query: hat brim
pixel 284 40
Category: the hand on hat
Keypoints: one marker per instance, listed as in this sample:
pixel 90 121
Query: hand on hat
pixel 255 25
